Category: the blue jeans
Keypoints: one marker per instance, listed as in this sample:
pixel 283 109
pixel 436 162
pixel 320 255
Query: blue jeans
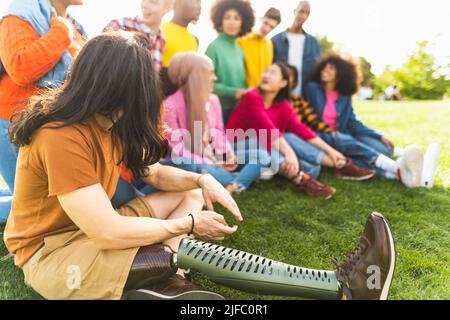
pixel 375 144
pixel 126 192
pixel 362 155
pixel 309 157
pixel 8 161
pixel 224 177
pixel 251 161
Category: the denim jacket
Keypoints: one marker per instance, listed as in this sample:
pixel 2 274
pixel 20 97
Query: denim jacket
pixel 311 53
pixel 347 122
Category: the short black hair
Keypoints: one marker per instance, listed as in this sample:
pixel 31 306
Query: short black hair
pixel 243 7
pixel 346 74
pixel 274 14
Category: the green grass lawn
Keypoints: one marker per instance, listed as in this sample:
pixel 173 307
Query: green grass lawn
pixel 292 228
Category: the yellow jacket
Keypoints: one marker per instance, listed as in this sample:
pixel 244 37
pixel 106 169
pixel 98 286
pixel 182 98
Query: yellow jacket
pixel 178 39
pixel 258 53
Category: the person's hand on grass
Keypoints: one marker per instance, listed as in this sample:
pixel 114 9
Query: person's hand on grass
pixel 388 143
pixel 214 192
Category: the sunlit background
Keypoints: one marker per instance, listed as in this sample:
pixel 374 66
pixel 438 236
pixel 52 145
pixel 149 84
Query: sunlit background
pixel 383 31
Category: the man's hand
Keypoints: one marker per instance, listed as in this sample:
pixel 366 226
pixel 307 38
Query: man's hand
pixel 214 192
pixel 66 22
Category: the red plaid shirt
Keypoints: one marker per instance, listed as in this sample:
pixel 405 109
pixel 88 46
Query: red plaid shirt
pixel 157 41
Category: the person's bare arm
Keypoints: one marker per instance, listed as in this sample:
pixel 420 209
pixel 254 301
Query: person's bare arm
pixel 290 166
pixel 91 210
pixel 338 158
pixel 166 178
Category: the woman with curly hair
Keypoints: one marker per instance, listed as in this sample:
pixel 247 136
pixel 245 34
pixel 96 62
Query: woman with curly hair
pixel 335 81
pixel 297 151
pixel 232 19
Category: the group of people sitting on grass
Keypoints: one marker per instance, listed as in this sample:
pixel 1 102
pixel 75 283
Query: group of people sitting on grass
pixel 112 147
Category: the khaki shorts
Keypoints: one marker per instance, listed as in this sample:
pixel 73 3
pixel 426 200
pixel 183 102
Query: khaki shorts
pixel 70 266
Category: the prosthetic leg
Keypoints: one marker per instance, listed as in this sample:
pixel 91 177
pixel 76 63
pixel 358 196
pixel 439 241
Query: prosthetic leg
pixel 232 268
pixel 243 271
pixel 250 273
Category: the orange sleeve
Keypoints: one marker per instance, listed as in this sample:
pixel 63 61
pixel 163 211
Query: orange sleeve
pixel 26 56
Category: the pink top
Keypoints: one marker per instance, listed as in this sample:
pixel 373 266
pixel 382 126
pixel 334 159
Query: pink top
pixel 279 118
pixel 329 113
pixel 175 117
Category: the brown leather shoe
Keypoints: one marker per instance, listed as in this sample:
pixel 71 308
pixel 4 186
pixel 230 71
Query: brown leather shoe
pixel 352 172
pixel 175 288
pixel 305 184
pixel 152 264
pixel 367 272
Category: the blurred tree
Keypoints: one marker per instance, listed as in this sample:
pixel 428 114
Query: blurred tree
pixel 326 45
pixel 383 81
pixel 368 78
pixel 421 77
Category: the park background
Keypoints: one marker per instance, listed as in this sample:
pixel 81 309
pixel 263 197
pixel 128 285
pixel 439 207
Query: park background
pixel 402 42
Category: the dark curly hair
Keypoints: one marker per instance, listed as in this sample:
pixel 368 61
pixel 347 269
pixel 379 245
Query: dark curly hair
pixel 346 74
pixel 243 7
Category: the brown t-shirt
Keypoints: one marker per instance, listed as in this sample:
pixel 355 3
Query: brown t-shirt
pixel 57 161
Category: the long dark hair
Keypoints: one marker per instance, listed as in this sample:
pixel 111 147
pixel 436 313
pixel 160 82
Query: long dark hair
pixel 112 74
pixel 346 74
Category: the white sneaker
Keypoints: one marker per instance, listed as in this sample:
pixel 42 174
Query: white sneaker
pixel 267 174
pixel 410 167
pixel 398 152
pixel 430 166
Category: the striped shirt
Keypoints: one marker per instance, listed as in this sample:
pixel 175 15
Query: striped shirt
pixel 156 39
pixel 306 115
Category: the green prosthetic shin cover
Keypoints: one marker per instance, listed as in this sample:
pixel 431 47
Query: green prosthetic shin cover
pixel 250 273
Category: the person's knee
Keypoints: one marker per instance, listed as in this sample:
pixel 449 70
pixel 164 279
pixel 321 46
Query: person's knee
pixel 290 137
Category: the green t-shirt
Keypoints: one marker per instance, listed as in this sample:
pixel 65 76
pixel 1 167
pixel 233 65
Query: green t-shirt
pixel 229 66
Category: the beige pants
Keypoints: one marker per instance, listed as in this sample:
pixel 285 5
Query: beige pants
pixel 70 266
